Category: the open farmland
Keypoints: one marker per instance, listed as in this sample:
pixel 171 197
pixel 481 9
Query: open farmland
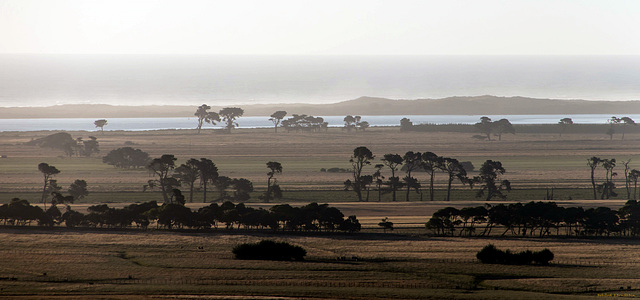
pixel 82 263
pixel 532 161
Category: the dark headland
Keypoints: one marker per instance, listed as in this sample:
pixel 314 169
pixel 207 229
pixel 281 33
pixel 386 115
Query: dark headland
pixel 478 105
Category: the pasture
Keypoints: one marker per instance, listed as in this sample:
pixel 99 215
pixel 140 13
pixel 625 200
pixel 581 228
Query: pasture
pixel 407 264
pixel 157 264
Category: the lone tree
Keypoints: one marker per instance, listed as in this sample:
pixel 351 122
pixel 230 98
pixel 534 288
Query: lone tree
pixel 564 124
pixel 361 157
pixel 100 123
pixel 126 158
pixel 229 116
pixel 490 182
pixel 277 117
pixel 47 171
pixel 272 190
pixel 593 163
pixel 163 167
pixel 204 115
pixel 393 161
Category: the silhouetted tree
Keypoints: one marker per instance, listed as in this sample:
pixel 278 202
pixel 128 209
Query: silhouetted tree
pixel 229 115
pixel 564 123
pixel 405 124
pixel 379 179
pixel 454 170
pixel 593 163
pixel 47 171
pixel 89 147
pixel 349 122
pixel 242 189
pixel 612 121
pixel 100 124
pixel 222 183
pixel 627 179
pixel 625 121
pixel 361 157
pixel 485 126
pixel 607 187
pixel 393 162
pixel 78 189
pixel 162 167
pixel 204 115
pixel 489 180
pixel 502 126
pixel 634 175
pixel 363 125
pixel 431 163
pixel 274 168
pixel 386 224
pixel 412 162
pixel 126 158
pixel 188 173
pixel 208 174
pixel 276 117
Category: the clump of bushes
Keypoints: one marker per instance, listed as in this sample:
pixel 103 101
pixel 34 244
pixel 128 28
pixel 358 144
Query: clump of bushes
pixel 269 250
pixel 492 255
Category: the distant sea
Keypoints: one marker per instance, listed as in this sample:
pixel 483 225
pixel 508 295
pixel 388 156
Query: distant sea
pixel 43 80
pixel 140 124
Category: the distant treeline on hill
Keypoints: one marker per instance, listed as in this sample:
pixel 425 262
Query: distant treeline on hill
pixel 311 217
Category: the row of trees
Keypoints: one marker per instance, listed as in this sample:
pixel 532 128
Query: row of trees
pixel 169 177
pixel 537 219
pixel 311 217
pixel 489 178
pixel 227 115
pixel 606 188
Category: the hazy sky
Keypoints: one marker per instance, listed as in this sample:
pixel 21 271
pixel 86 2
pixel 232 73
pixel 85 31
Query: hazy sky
pixel 321 27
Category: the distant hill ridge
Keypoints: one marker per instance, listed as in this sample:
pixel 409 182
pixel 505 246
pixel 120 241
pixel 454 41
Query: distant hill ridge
pixel 477 105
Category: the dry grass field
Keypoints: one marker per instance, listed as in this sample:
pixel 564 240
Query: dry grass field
pixel 41 264
pixel 62 264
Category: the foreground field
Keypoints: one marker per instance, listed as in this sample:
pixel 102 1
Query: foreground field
pixel 48 263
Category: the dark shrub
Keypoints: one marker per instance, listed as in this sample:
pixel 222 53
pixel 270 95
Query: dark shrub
pixel 269 250
pixel 543 257
pixel 492 255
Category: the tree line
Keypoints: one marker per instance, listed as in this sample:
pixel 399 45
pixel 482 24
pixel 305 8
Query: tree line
pixel 489 180
pixel 537 219
pixel 311 217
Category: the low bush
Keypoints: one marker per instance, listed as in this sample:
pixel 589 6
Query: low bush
pixel 492 255
pixel 269 250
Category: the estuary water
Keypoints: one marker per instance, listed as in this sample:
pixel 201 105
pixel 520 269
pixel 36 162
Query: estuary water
pixel 141 124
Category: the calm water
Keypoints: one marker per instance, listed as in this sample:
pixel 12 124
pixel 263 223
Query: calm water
pixel 43 80
pixel 137 124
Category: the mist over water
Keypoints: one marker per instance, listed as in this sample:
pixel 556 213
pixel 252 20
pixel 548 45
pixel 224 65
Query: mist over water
pixel 43 80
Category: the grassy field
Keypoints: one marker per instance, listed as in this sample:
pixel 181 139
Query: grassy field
pixel 42 263
pixel 59 263
pixel 533 161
